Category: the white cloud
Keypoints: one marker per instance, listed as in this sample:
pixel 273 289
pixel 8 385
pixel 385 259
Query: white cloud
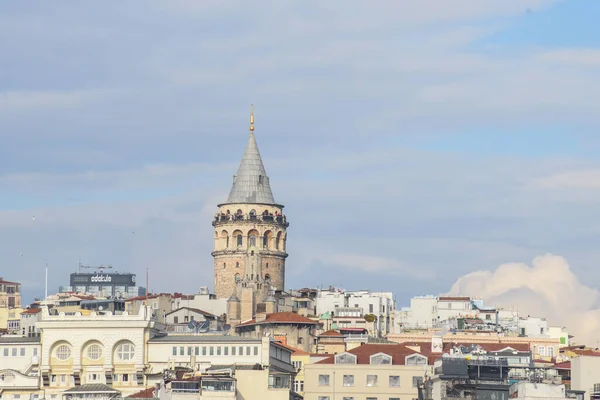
pixel 547 288
pixel 580 179
pixel 582 57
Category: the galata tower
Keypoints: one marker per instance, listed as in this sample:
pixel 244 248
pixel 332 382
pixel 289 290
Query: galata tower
pixel 250 230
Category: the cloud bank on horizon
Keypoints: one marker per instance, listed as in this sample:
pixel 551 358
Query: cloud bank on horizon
pixel 411 142
pixel 546 288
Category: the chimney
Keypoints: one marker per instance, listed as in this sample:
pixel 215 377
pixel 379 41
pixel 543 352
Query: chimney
pixel 260 317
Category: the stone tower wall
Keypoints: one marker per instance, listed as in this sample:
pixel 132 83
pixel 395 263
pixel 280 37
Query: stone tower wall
pixel 261 250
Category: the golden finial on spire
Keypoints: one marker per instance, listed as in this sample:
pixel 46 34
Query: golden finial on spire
pixel 251 117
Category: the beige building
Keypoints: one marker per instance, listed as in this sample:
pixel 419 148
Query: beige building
pixel 261 368
pixel 371 371
pixel 19 367
pixel 585 375
pixel 10 294
pixel 79 352
pixel 250 232
pixel 290 328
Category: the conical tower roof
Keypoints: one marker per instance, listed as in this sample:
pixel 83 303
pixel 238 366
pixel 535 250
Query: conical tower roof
pixel 251 183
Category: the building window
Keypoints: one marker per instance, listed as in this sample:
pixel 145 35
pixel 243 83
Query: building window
pixel 370 308
pixel 224 265
pixel 5 352
pixel 297 364
pixel 394 381
pixel 226 350
pixel 233 349
pixel 416 359
pixel 381 358
pixel 237 264
pixel 279 381
pixel 126 351
pixel 174 350
pixel 203 350
pixel 253 240
pixel 212 351
pixel 218 350
pixel 125 377
pixel 239 240
pixel 175 320
pixel 181 351
pixel 417 380
pixel 241 351
pixel 323 380
pixel 348 398
pixel 345 358
pixel 14 351
pixel 348 380
pixel 323 397
pixel 247 350
pixel 63 352
pixel 94 352
pixel 542 351
pixel 371 380
pixel 255 350
pixel 189 351
pixel 550 351
pixel 22 352
pixel 371 398
pixel 298 386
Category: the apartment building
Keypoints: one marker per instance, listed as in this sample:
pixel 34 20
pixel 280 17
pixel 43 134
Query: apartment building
pixel 371 371
pixel 19 367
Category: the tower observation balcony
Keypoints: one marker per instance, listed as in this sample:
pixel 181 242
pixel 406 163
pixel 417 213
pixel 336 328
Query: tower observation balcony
pixel 222 219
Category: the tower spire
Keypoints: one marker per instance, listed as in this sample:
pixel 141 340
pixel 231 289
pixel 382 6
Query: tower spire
pixel 251 118
pixel 251 183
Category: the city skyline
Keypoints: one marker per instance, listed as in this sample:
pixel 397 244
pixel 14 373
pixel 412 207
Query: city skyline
pixel 409 153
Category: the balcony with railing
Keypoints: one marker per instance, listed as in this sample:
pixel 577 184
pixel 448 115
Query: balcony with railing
pixel 253 218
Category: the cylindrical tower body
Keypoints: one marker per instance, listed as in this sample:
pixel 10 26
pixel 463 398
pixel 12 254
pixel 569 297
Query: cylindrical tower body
pixel 250 243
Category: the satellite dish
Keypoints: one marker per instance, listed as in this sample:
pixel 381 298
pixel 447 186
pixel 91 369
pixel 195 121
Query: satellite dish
pixel 100 308
pixel 226 327
pixel 191 325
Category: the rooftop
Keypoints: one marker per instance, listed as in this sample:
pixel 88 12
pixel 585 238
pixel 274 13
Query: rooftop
pixel 280 318
pixel 331 333
pixel 201 339
pixel 8 282
pixel 32 311
pixel 18 339
pixel 143 394
pixel 196 310
pixel 92 388
pixel 363 354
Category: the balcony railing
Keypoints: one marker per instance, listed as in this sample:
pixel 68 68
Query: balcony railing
pixel 224 218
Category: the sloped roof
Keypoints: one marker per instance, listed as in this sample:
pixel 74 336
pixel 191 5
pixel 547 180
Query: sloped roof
pixel 92 388
pixel 196 310
pixel 331 332
pixel 295 351
pixel 143 394
pixel 587 352
pixel 281 318
pixel 563 365
pixel 398 352
pixel 32 311
pixel 8 282
pixel 251 183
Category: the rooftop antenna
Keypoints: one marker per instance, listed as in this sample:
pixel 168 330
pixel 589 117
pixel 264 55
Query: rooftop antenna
pixel 251 118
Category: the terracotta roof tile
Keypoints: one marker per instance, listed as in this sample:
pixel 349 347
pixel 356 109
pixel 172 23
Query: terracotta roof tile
pixel 32 311
pixel 295 351
pixel 398 352
pixel 281 318
pixel 331 332
pixel 563 365
pixel 8 282
pixel 143 394
pixel 591 353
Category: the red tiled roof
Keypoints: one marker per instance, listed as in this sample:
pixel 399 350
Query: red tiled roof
pixel 331 332
pixel 563 365
pixel 397 351
pixel 281 318
pixel 294 350
pixel 8 282
pixel 32 311
pixel 454 298
pixel 143 394
pixel 591 353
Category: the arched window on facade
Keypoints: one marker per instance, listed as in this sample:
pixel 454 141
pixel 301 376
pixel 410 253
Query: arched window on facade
pixel 239 240
pixel 237 264
pixel 237 278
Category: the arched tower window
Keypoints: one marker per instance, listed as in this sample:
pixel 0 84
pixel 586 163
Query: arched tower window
pixel 237 278
pixel 267 237
pixel 237 264
pixel 225 238
pixel 267 278
pixel 252 238
pixel 224 265
pixel 278 241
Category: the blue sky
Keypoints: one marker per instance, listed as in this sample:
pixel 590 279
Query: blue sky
pixel 411 143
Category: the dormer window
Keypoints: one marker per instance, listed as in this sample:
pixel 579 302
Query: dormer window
pixel 381 358
pixel 415 359
pixel 345 358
